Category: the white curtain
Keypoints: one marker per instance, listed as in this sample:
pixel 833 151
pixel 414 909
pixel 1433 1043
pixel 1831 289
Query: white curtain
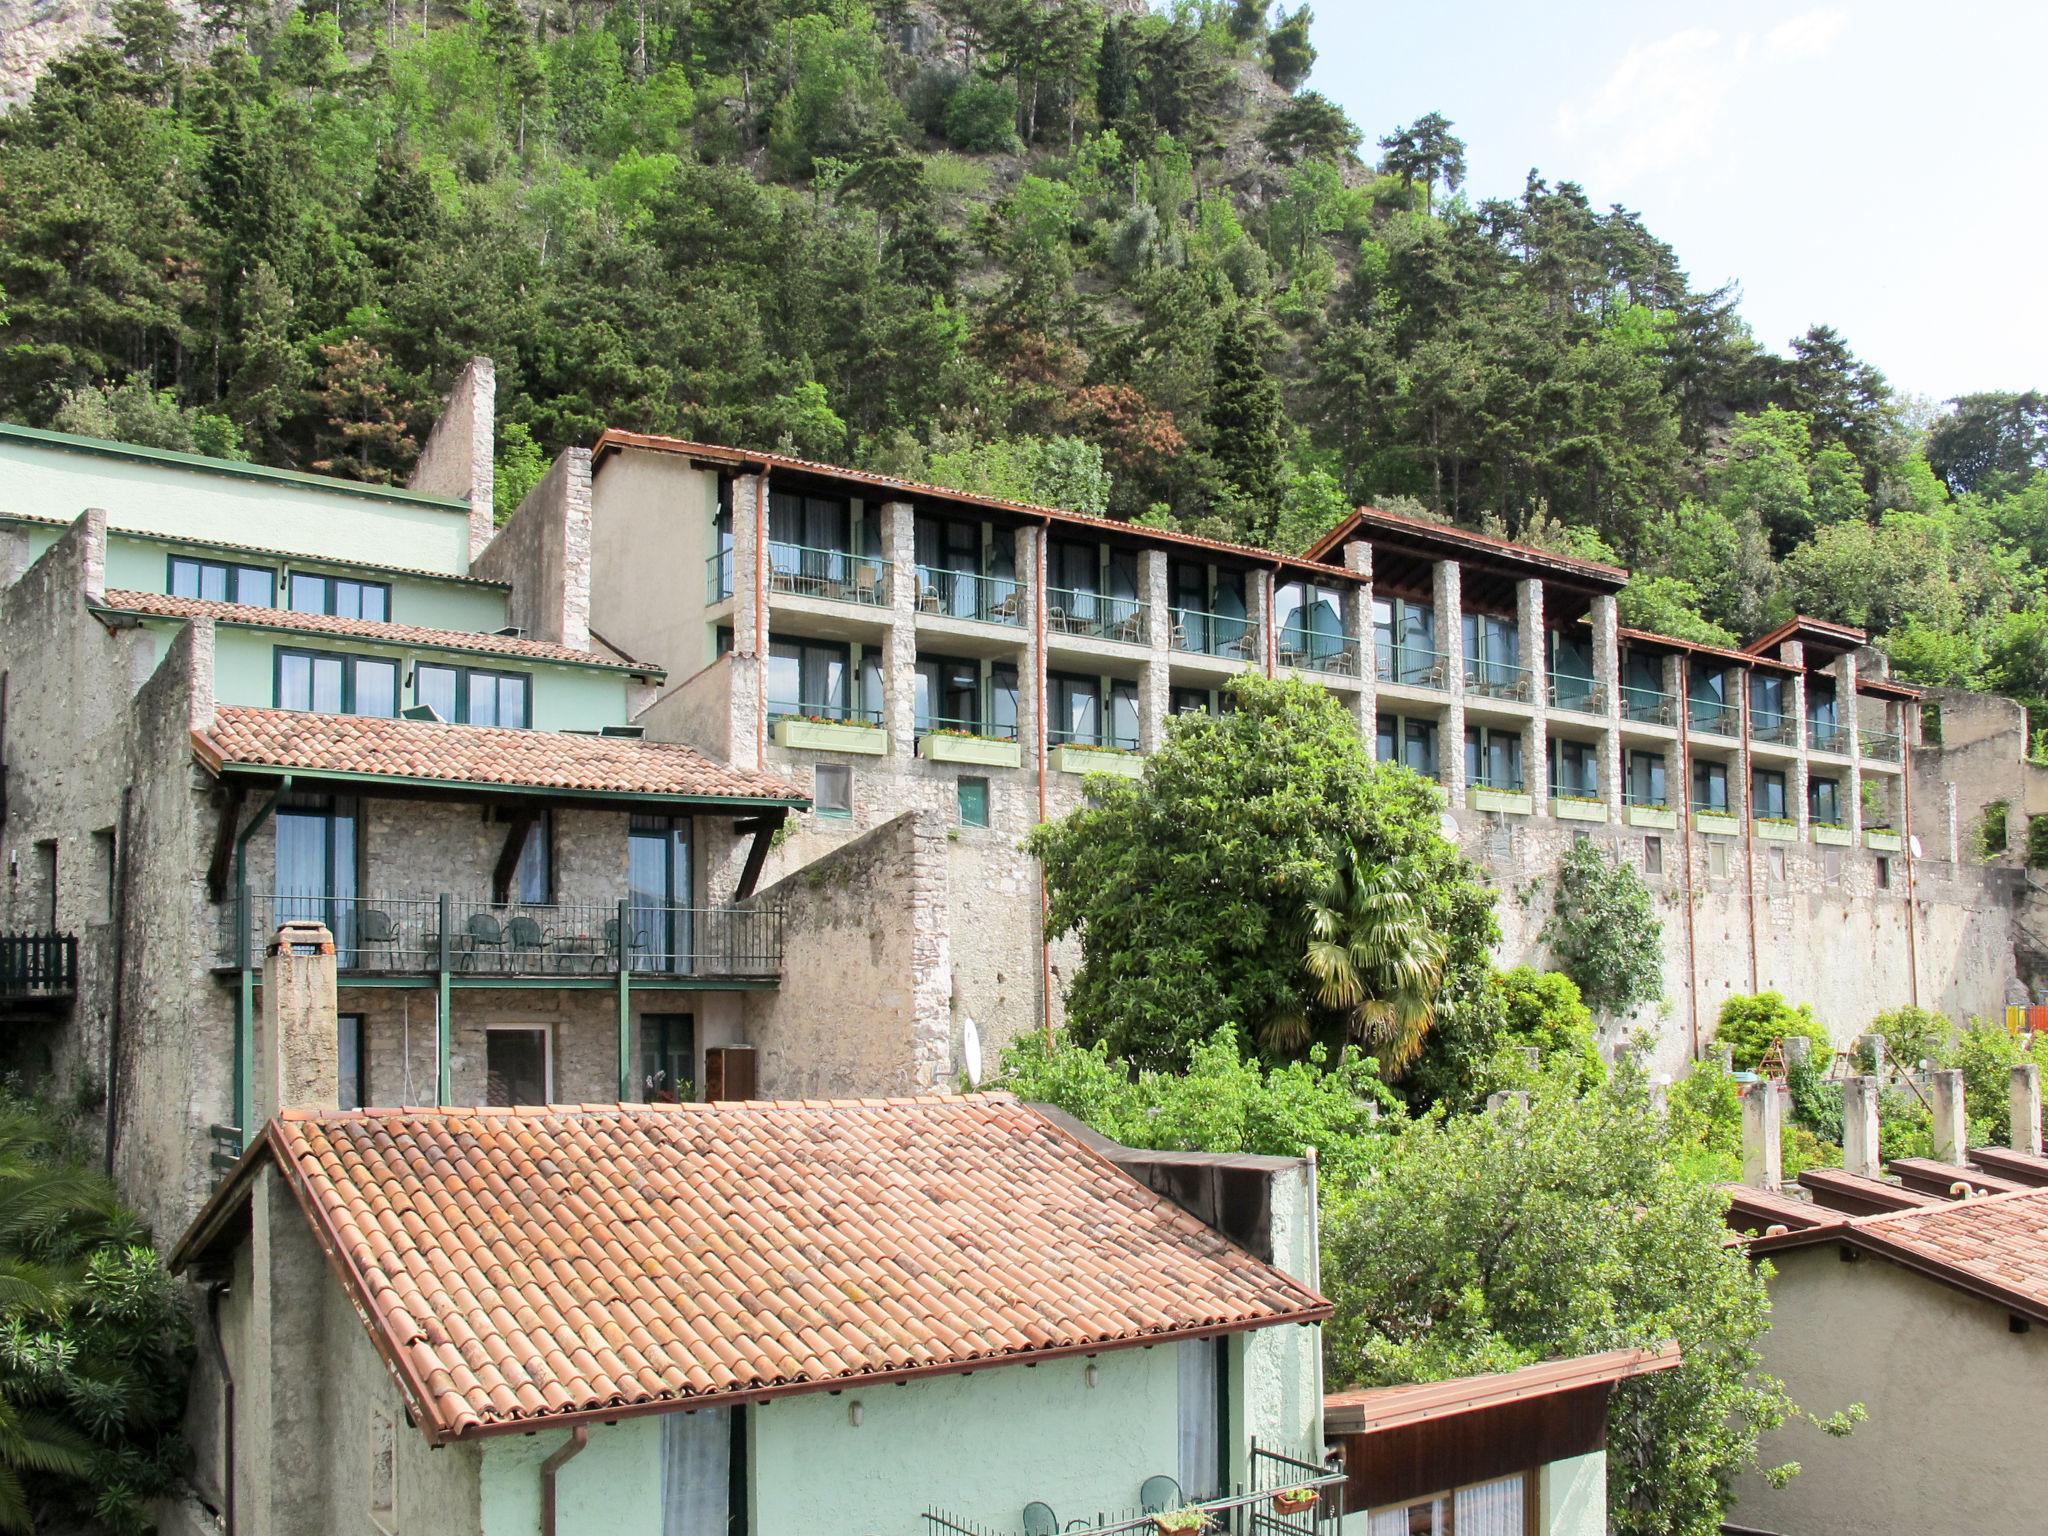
pixel 1491 1509
pixel 696 1472
pixel 1201 1437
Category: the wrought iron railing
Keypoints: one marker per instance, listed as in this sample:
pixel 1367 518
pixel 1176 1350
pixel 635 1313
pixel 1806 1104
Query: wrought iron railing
pixel 1231 636
pixel 1411 666
pixel 423 935
pixel 836 575
pixel 1649 706
pixel 718 576
pixel 1880 745
pixel 1253 1510
pixel 36 965
pixel 834 714
pixel 948 594
pixel 1317 652
pixel 1764 725
pixel 1107 740
pixel 1096 615
pixel 946 725
pixel 1582 695
pixel 1500 680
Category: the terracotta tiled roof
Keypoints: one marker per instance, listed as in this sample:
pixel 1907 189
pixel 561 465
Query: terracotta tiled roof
pixel 287 739
pixel 162 605
pixel 579 1262
pixel 1370 519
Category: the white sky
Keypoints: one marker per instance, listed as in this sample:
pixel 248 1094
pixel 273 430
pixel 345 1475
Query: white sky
pixel 1874 165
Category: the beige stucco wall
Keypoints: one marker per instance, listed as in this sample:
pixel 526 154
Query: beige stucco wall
pixel 1952 1444
pixel 651 528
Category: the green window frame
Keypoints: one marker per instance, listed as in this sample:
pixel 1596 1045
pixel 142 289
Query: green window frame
pixel 340 676
pixel 341 597
pixel 220 581
pixel 474 695
pixel 973 800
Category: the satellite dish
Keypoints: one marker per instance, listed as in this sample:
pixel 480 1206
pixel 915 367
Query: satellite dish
pixel 1913 842
pixel 1447 824
pixel 970 1052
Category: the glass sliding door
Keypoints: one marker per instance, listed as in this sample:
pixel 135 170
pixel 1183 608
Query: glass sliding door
pixel 658 885
pixel 317 861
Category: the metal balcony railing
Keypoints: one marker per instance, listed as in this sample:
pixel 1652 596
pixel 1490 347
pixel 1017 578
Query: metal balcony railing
pixel 1649 706
pixel 718 576
pixel 1109 740
pixel 1500 680
pixel 1714 719
pixel 1231 636
pixel 1412 667
pixel 1826 736
pixel 38 965
pixel 835 575
pixel 1647 802
pixel 1581 695
pixel 1507 786
pixel 1095 615
pixel 947 594
pixel 948 725
pixel 818 709
pixel 1244 1511
pixel 1883 746
pixel 1312 651
pixel 1766 726
pixel 464 935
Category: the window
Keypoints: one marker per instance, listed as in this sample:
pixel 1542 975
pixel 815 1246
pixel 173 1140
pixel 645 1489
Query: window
pixel 668 1057
pixel 1709 786
pixel 1717 859
pixel 811 522
pixel 1493 652
pixel 1493 758
pixel 517 1068
pixel 704 1472
pixel 1653 855
pixel 1646 779
pixel 1409 742
pixel 948 695
pixel 973 797
pixel 217 581
pixel 963 573
pixel 104 871
pixel 812 678
pixel 1404 640
pixel 1884 873
pixel 1310 618
pixel 1824 801
pixel 342 596
pixel 1571 670
pixel 1498 1508
pixel 474 696
pixel 1767 794
pixel 336 683
pixel 1192 701
pixel 1002 700
pixel 1707 698
pixel 1777 864
pixel 832 789
pixel 533 878
pixel 1202 1417
pixel 658 883
pixel 352 1060
pixel 383 1472
pixel 1076 710
pixel 317 866
pixel 1209 610
pixel 1574 768
pixel 1768 704
pixel 46 878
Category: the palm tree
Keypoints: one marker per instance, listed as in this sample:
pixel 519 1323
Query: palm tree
pixel 1375 960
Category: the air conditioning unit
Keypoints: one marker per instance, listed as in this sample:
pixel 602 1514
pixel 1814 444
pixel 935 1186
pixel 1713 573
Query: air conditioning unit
pixel 629 732
pixel 421 712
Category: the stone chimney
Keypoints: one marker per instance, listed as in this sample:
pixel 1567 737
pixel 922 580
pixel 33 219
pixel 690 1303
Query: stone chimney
pixel 1859 1126
pixel 297 1042
pixel 2026 1109
pixel 543 553
pixel 1763 1129
pixel 1945 1099
pixel 460 454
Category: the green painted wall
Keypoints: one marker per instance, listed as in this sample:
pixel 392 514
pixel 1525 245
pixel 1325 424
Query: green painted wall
pixel 1574 1497
pixel 191 501
pixel 612 1488
pixel 564 698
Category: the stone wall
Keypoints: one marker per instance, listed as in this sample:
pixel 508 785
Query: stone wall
pixel 459 457
pixel 543 553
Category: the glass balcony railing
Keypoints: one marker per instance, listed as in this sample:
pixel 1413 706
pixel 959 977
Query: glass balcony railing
pixel 1649 706
pixel 950 594
pixel 1317 652
pixel 835 575
pixel 1713 719
pixel 1231 636
pixel 1411 666
pixel 1095 615
pixel 718 576
pixel 1581 695
pixel 1883 746
pixel 1500 680
pixel 1766 726
pixel 1826 736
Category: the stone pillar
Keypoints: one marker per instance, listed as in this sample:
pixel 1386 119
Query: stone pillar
pixel 1763 1128
pixel 297 1063
pixel 1677 771
pixel 1364 639
pixel 1530 635
pixel 1852 742
pixel 1155 693
pixel 460 455
pixel 1859 1126
pixel 1797 1049
pixel 1945 1100
pixel 749 585
pixel 898 703
pixel 2025 1099
pixel 543 553
pixel 1030 663
pixel 1606 624
pixel 1259 599
pixel 1446 583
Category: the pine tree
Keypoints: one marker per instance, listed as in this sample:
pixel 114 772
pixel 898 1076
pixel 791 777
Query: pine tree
pixel 1247 421
pixel 1113 74
pixel 1289 53
pixel 366 414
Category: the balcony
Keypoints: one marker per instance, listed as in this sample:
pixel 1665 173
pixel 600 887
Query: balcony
pixel 1765 726
pixel 1500 680
pixel 1581 695
pixel 830 575
pixel 1826 736
pixel 1232 637
pixel 717 577
pixel 38 971
pixel 1263 1509
pixel 1504 795
pixel 1649 706
pixel 1880 746
pixel 1094 615
pixel 1657 815
pixel 1410 666
pixel 1713 719
pixel 946 594
pixel 486 944
pixel 975 742
pixel 1315 653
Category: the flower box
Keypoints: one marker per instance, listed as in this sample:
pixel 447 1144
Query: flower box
pixel 984 751
pixel 1773 829
pixel 1514 802
pixel 832 736
pixel 1832 836
pixel 1882 840
pixel 1068 758
pixel 1575 808
pixel 1718 823
pixel 1661 817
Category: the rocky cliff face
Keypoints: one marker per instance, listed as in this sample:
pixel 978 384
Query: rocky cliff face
pixel 32 32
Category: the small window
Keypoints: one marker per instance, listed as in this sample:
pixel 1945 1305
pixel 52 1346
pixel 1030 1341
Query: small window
pixel 473 695
pixel 973 802
pixel 46 877
pixel 1884 873
pixel 832 789
pixel 1653 855
pixel 1717 860
pixel 340 596
pixel 217 581
pixel 352 1060
pixel 335 683
pixel 1777 864
pixel 103 871
pixel 383 1472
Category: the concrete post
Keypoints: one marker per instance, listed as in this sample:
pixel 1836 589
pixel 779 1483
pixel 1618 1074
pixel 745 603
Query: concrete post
pixel 297 1062
pixel 1763 1127
pixel 1363 637
pixel 1859 1126
pixel 1607 698
pixel 460 453
pixel 1873 1046
pixel 1796 1048
pixel 1530 635
pixel 1495 1102
pixel 1725 1056
pixel 2025 1099
pixel 1155 695
pixel 1447 597
pixel 898 703
pixel 1945 1099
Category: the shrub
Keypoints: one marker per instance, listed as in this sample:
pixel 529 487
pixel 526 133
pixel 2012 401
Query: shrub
pixel 1913 1035
pixel 1604 931
pixel 1987 1052
pixel 1991 831
pixel 981 118
pixel 1543 1009
pixel 1749 1024
pixel 2037 842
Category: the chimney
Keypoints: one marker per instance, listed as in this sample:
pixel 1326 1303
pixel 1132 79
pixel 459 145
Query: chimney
pixel 459 458
pixel 2026 1109
pixel 1859 1126
pixel 1763 1128
pixel 297 1043
pixel 1945 1099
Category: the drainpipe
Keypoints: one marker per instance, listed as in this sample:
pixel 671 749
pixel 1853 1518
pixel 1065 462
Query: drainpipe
pixel 1044 896
pixel 1748 834
pixel 117 1017
pixel 761 623
pixel 1692 961
pixel 1906 844
pixel 245 1023
pixel 579 1437
pixel 227 1408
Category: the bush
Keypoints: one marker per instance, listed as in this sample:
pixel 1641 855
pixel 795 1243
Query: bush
pixel 982 117
pixel 1987 1052
pixel 1913 1035
pixel 1748 1025
pixel 1604 931
pixel 1543 1009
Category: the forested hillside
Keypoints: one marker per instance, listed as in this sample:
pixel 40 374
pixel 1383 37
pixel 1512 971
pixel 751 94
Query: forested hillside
pixel 1063 249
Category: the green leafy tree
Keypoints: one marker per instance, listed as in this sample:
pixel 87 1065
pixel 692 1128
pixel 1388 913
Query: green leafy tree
pixel 1749 1023
pixel 132 412
pixel 1289 53
pixel 1666 605
pixel 1310 127
pixel 1913 1035
pixel 1248 20
pixel 1427 151
pixel 1544 1011
pixel 1187 887
pixel 1603 931
pixel 1990 442
pixel 982 117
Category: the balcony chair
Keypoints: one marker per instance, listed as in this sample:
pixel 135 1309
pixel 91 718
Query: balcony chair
pixel 1010 609
pixel 480 934
pixel 636 944
pixel 376 930
pixel 525 937
pixel 1241 645
pixel 1158 1494
pixel 1039 1520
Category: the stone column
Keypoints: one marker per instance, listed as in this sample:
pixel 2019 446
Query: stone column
pixel 1945 1100
pixel 1259 600
pixel 2025 1100
pixel 1607 698
pixel 1358 630
pixel 1677 771
pixel 1530 636
pixel 1852 733
pixel 1030 700
pixel 749 586
pixel 1762 1136
pixel 1155 697
pixel 459 458
pixel 1446 584
pixel 899 646
pixel 1859 1126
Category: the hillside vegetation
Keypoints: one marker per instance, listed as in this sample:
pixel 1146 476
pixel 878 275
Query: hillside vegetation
pixel 1074 252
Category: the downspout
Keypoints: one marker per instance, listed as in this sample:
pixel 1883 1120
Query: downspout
pixel 245 1023
pixel 761 621
pixel 1692 959
pixel 116 1019
pixel 1044 895
pixel 1906 843
pixel 227 1408
pixel 579 1437
pixel 1749 835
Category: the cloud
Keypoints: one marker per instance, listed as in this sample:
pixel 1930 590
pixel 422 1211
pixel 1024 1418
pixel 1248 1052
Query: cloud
pixel 1808 36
